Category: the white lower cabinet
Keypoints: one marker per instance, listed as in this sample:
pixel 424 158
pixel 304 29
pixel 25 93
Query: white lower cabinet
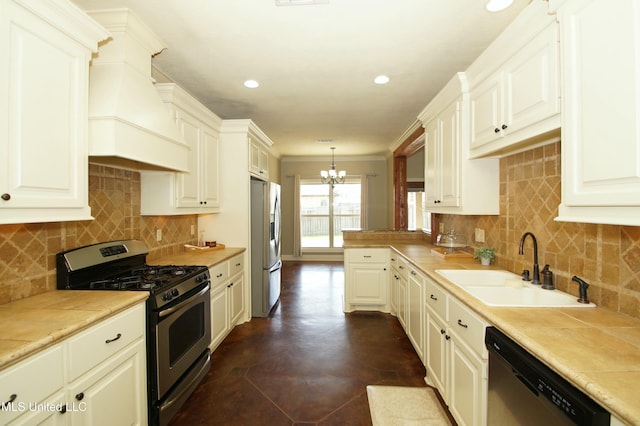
pixel 415 311
pixel 227 297
pixel 456 359
pixel 97 377
pixel 366 279
pixel 111 394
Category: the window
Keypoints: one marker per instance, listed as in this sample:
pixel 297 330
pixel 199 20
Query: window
pixel 326 211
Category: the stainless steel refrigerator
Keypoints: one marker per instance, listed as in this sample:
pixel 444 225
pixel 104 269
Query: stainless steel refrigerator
pixel 265 247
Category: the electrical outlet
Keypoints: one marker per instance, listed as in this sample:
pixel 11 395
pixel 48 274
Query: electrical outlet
pixel 159 234
pixel 479 235
pixel 193 230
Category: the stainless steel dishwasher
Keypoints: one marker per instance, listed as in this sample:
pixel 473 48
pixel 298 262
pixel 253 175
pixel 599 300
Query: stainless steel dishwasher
pixel 524 391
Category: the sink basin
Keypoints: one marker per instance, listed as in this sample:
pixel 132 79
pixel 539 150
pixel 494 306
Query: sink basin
pixel 478 277
pixel 503 288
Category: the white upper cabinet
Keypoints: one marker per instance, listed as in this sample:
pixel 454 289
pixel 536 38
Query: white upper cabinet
pixel 196 191
pixel 45 49
pixel 516 106
pixel 259 159
pixel 453 183
pixel 601 111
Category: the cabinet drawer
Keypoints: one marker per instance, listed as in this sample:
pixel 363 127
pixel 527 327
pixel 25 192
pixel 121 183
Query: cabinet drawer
pixel 403 267
pixel 92 346
pixel 368 255
pixel 467 326
pixel 219 273
pixel 236 265
pixel 31 381
pixel 436 298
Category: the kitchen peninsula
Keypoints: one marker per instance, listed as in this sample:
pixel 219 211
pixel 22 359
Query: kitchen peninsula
pixel 576 343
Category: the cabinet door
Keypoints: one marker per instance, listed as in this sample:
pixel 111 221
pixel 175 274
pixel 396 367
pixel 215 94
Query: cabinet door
pixel 601 104
pixel 415 307
pixel 468 385
pixel 486 110
pixel 450 157
pixel 368 285
pixel 219 315
pixel 435 351
pixel 114 393
pixel 393 288
pixel 431 163
pixel 210 169
pixel 531 80
pixel 236 299
pixel 43 120
pixel 187 193
pixel 254 157
pixel 402 302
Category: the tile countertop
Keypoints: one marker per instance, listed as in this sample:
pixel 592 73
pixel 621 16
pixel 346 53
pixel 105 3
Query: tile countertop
pixel 596 349
pixel 204 257
pixel 35 323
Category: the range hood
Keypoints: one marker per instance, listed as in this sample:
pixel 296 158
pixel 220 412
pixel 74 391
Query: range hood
pixel 129 125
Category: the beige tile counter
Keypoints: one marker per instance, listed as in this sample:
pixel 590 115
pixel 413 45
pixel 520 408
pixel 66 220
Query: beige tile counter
pixel 32 324
pixel 596 349
pixel 204 257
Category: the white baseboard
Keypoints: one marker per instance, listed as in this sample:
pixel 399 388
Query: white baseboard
pixel 315 257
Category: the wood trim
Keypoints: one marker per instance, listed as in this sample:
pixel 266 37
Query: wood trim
pixel 409 147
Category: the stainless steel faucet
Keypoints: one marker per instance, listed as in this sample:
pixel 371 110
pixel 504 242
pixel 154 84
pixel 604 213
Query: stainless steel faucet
pixel 536 267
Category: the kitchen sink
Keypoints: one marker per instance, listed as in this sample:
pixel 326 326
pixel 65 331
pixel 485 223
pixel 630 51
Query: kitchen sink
pixel 496 287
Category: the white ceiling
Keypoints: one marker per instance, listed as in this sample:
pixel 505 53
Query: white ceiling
pixel 316 63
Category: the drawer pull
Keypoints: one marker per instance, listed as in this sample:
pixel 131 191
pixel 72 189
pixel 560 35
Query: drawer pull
pixel 447 337
pixel 11 399
pixel 367 256
pixel 118 336
pixel 400 267
pixel 442 331
pixel 80 396
pixel 432 297
pixel 413 273
pixel 63 409
pixel 461 324
pixel 238 264
pixel 219 275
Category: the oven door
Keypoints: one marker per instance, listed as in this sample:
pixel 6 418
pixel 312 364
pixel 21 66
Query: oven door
pixel 183 333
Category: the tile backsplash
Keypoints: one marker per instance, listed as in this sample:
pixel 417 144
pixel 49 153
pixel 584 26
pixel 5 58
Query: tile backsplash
pixel 606 256
pixel 27 251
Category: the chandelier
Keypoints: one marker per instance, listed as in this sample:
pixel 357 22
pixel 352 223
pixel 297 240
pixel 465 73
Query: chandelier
pixel 331 176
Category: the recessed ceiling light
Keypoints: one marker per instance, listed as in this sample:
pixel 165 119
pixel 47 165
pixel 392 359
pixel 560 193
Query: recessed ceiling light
pixel 381 79
pixel 251 84
pixel 498 5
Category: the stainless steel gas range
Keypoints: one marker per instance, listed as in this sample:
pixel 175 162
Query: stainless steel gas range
pixel 178 314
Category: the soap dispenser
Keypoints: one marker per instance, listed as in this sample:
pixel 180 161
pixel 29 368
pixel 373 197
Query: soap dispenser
pixel 547 278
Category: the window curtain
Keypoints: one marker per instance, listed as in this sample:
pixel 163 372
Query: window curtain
pixel 364 202
pixel 297 239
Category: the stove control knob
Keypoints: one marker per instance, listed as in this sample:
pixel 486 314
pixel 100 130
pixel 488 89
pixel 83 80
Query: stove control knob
pixel 175 292
pixel 167 296
pixel 201 278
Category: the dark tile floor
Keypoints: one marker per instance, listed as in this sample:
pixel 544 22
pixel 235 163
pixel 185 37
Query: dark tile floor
pixel 307 365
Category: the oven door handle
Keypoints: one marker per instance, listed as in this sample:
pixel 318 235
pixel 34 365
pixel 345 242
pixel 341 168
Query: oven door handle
pixel 172 309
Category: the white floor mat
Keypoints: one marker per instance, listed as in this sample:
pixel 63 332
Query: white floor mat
pixel 405 406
